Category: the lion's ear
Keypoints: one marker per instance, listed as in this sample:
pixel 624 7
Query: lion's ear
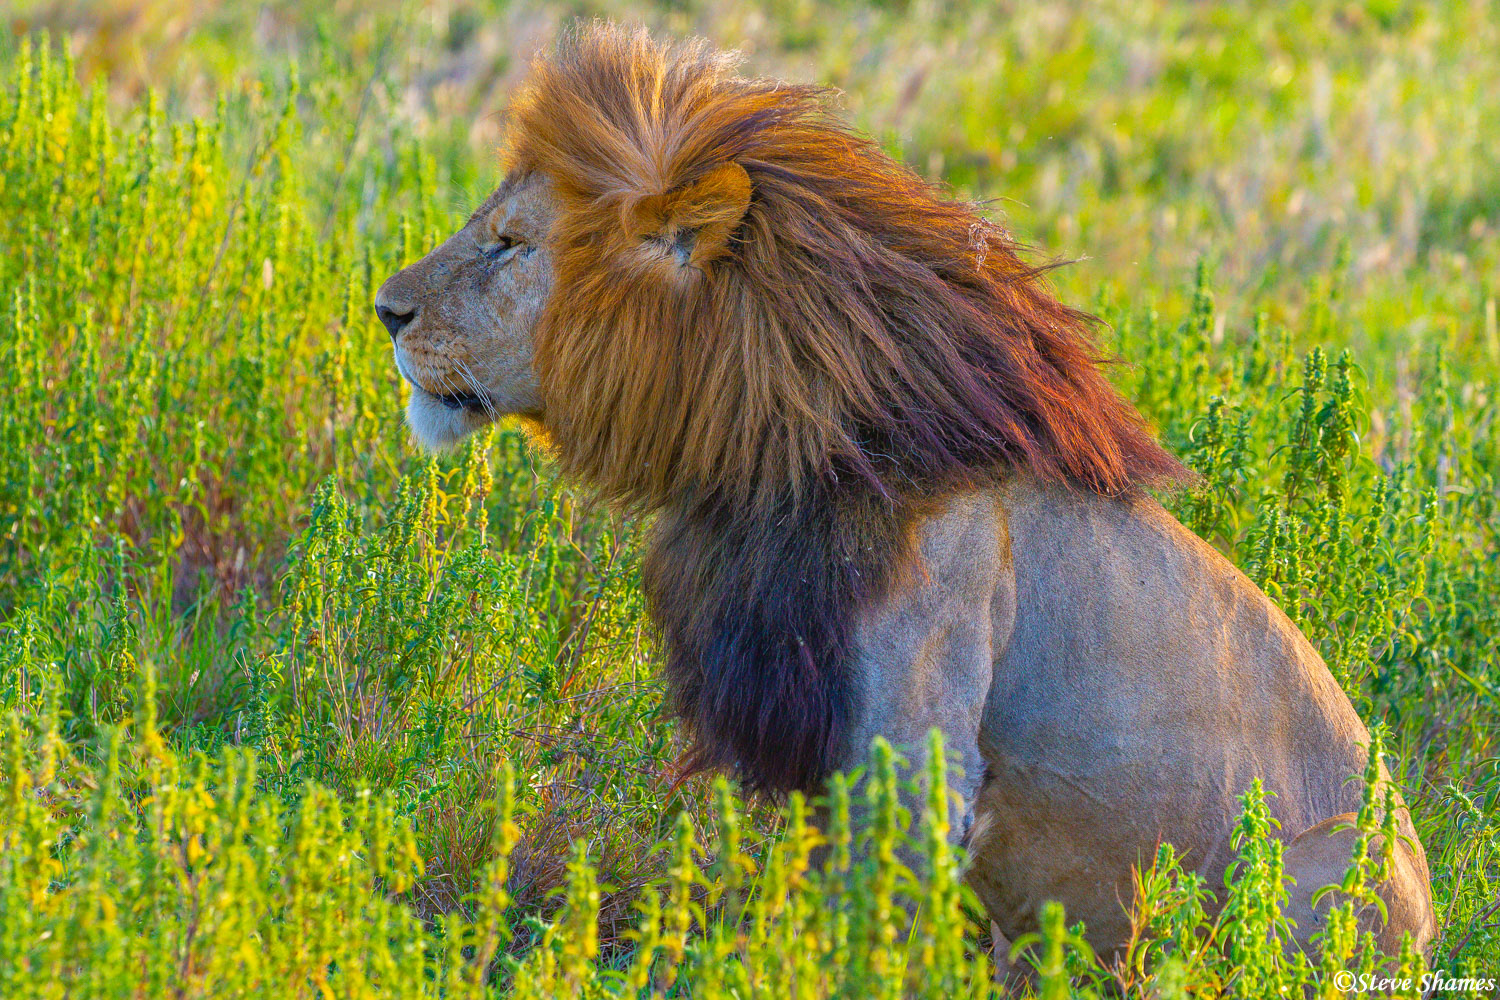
pixel 690 226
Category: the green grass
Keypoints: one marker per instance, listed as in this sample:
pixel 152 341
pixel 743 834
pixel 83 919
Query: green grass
pixel 292 709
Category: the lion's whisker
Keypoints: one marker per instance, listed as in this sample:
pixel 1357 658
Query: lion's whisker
pixel 480 391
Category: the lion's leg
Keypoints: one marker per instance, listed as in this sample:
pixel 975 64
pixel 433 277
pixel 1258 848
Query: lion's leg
pixel 1000 954
pixel 926 659
pixel 1320 855
pixel 964 774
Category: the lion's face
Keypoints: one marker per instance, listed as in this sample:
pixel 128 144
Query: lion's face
pixel 462 318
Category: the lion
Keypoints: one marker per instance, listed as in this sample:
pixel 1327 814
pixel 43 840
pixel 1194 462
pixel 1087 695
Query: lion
pixel 889 487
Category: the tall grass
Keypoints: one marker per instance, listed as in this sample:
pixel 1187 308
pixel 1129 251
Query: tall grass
pixel 292 709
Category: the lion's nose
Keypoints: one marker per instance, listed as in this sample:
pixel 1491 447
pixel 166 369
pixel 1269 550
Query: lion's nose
pixel 393 320
pixel 395 315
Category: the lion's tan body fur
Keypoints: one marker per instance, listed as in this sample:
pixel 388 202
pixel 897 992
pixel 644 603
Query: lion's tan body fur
pixel 1109 682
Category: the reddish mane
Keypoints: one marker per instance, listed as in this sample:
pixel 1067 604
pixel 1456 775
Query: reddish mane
pixel 836 347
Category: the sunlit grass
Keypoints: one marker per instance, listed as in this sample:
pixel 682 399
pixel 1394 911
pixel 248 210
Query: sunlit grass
pixel 395 697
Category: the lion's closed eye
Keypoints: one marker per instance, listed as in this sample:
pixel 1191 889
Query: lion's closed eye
pixel 501 247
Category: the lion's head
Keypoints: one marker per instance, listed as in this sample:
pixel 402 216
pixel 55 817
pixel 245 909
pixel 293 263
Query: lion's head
pixel 696 281
pixel 720 303
pixel 463 318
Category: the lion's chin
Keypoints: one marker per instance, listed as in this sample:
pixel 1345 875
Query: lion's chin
pixel 437 425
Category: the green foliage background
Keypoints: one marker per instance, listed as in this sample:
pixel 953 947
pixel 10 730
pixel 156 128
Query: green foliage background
pixel 292 709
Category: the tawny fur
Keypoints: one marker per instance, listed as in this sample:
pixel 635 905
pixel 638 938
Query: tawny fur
pixel 786 345
pixel 837 315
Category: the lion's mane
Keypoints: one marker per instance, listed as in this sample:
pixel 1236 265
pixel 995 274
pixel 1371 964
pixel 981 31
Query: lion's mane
pixel 859 348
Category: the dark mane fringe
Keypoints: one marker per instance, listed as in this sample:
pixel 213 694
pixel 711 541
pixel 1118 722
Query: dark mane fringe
pixel 756 614
pixel 861 347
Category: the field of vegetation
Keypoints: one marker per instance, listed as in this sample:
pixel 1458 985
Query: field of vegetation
pixel 288 708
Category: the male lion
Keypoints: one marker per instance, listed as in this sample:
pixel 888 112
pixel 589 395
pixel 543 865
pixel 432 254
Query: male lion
pixel 890 488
